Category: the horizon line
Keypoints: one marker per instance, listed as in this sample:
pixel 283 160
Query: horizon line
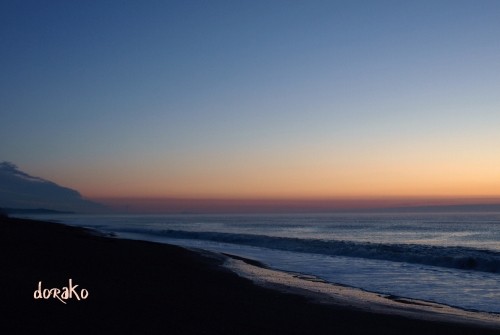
pixel 233 205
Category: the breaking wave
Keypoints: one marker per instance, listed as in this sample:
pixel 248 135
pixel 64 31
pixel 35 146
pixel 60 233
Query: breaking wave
pixel 447 257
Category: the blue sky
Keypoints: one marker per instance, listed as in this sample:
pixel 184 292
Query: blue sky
pixel 253 98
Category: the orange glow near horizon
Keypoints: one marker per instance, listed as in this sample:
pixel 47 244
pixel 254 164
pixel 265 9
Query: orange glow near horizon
pixel 291 182
pixel 291 190
pixel 306 172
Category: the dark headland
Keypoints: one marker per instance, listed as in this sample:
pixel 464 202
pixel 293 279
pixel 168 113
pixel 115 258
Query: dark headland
pixel 147 288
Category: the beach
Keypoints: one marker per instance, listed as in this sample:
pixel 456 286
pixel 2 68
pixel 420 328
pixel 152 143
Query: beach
pixel 136 287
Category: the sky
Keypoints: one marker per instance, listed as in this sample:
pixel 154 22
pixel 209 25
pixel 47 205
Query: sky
pixel 254 99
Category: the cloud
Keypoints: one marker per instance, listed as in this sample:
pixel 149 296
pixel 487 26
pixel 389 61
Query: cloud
pixel 21 190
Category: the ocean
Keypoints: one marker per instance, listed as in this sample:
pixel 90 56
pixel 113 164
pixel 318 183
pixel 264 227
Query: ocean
pixel 451 258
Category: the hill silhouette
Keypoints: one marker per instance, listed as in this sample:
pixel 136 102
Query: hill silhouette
pixel 22 191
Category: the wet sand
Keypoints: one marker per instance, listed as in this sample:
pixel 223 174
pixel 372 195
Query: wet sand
pixel 137 287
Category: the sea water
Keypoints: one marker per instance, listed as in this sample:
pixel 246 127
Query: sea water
pixel 451 258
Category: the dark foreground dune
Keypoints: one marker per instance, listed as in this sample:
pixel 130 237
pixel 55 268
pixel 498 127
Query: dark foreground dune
pixel 146 288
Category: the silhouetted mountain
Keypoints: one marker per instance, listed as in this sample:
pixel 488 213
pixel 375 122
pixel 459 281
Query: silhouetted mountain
pixel 21 191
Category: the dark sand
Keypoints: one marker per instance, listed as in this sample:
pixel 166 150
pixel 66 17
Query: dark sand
pixel 146 288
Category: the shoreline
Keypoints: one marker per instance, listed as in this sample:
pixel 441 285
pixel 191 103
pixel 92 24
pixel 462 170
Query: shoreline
pixel 384 302
pixel 145 287
pixel 324 292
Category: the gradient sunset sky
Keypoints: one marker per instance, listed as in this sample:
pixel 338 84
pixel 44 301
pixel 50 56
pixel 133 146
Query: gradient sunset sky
pixel 254 99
